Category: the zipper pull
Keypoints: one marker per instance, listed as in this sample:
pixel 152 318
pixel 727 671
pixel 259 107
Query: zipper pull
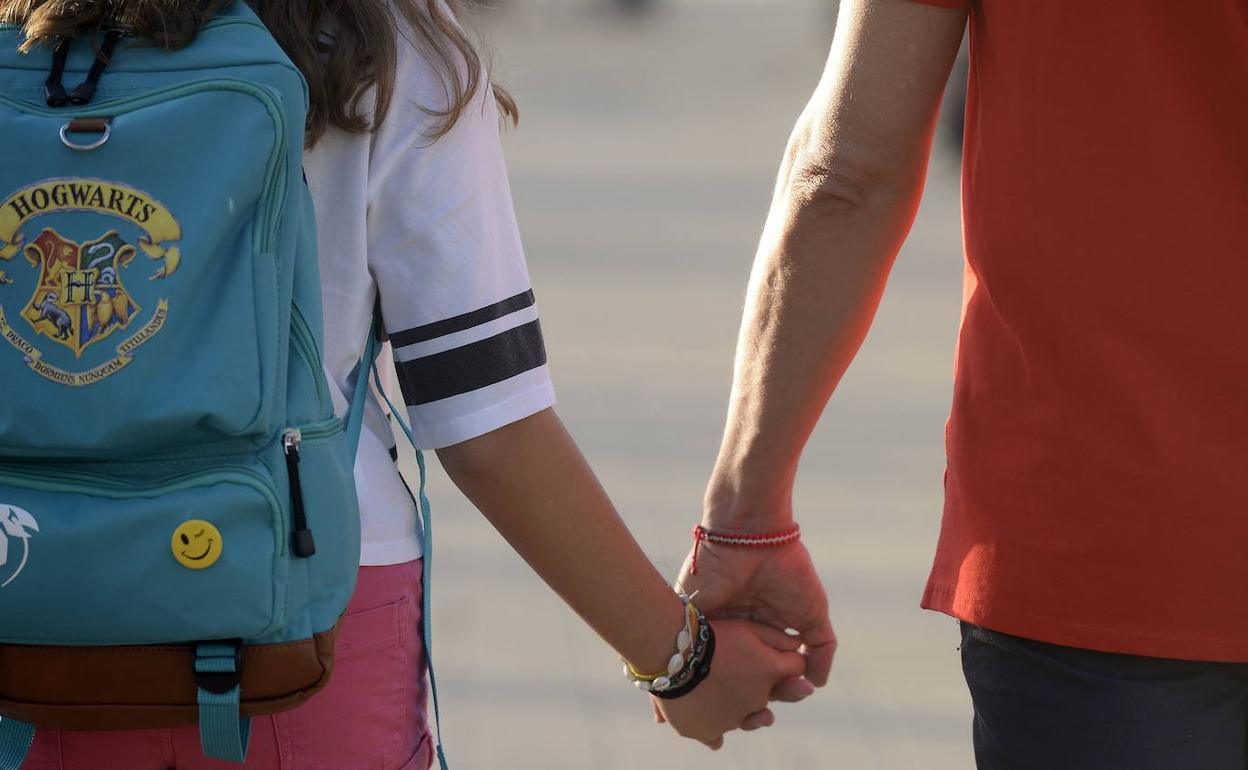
pixel 302 542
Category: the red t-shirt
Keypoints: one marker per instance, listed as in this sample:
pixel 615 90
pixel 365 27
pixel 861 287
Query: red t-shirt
pixel 1097 489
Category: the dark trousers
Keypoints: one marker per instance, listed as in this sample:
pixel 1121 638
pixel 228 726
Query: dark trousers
pixel 1044 707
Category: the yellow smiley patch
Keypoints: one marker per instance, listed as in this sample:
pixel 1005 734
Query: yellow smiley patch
pixel 196 544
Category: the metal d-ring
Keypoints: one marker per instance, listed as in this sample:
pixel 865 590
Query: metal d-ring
pixel 105 128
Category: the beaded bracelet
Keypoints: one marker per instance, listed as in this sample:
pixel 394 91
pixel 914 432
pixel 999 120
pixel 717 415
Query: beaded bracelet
pixel 693 673
pixel 700 672
pixel 683 647
pixel 691 652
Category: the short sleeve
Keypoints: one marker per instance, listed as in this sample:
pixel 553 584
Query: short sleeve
pixel 445 252
pixel 959 4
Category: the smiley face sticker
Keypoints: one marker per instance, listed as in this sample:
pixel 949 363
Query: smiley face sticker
pixel 196 544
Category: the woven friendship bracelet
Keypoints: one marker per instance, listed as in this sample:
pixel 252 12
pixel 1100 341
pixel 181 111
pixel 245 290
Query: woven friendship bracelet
pixel 769 540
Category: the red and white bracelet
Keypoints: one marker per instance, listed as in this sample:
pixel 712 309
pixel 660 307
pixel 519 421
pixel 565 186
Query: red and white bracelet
pixel 769 540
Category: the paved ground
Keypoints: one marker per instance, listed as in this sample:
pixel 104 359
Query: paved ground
pixel 642 171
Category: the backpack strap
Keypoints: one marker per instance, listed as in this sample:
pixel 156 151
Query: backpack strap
pixel 426 614
pixel 359 397
pixel 223 734
pixel 15 742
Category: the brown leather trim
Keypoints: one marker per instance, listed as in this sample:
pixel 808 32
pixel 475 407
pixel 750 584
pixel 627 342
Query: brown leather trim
pixel 121 688
pixel 88 125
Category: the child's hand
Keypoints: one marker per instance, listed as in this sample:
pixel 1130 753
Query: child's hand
pixel 750 660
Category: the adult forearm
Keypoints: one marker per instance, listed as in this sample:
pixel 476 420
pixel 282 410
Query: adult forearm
pixel 826 251
pixel 532 483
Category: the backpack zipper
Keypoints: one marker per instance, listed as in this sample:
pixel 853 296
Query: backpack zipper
pixel 301 538
pixel 62 479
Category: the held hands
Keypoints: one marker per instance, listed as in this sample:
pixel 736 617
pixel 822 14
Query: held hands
pixel 755 593
pixel 750 662
pixel 777 587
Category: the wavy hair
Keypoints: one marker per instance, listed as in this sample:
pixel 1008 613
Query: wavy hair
pixel 340 73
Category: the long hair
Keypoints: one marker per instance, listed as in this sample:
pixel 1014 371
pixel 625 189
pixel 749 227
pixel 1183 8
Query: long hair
pixel 361 56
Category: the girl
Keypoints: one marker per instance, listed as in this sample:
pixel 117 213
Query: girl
pixel 415 217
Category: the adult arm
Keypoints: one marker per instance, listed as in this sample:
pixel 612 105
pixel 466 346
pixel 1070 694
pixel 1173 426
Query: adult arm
pixel 846 196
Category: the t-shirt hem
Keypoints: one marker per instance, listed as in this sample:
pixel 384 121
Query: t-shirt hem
pixel 522 404
pixel 388 552
pixel 940 597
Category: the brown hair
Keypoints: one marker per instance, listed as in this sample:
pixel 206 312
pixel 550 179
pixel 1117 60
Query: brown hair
pixel 363 53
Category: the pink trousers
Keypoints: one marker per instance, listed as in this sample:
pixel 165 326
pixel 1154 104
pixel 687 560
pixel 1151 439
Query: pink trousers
pixel 370 717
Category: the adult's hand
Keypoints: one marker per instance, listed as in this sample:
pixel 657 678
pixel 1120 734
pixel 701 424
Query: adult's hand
pixel 777 587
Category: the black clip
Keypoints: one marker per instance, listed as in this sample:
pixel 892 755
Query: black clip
pixel 86 89
pixel 53 91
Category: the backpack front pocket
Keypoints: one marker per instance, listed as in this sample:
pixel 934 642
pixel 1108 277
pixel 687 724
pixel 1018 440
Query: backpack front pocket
pixel 142 287
pixel 87 558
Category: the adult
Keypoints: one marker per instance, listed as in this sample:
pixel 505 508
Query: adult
pixel 1094 526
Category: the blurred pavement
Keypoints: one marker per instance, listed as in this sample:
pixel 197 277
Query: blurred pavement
pixel 642 172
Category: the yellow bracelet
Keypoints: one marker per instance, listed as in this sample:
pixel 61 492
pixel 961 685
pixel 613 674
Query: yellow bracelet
pixel 686 635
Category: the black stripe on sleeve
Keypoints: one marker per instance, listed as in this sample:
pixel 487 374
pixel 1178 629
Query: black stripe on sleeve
pixel 472 367
pixel 461 322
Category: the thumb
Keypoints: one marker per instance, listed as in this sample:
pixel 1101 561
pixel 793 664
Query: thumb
pixel 792 690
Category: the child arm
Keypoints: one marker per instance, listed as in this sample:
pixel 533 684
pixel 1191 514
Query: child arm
pixel 532 483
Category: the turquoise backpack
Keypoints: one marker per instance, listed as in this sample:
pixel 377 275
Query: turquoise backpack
pixel 179 532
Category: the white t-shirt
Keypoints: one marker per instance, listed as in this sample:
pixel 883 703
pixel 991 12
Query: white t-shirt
pixel 432 224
